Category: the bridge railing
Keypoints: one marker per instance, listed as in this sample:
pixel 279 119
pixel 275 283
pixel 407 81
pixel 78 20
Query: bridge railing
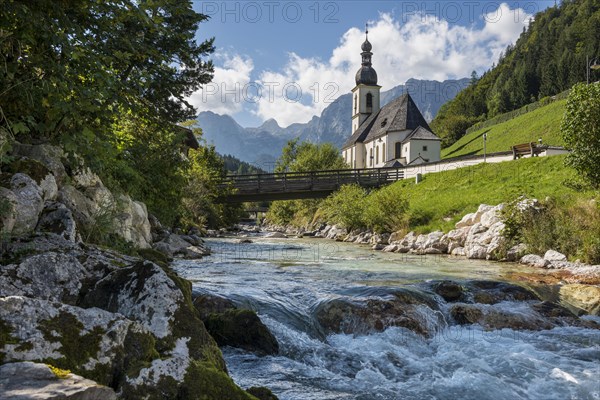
pixel 313 180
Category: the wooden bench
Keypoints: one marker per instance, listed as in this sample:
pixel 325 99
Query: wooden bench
pixel 525 149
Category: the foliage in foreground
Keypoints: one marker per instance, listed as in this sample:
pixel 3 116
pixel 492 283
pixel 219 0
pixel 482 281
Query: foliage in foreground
pixel 108 82
pixel 581 131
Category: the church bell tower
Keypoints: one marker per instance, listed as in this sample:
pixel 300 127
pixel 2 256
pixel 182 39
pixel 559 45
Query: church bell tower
pixel 365 96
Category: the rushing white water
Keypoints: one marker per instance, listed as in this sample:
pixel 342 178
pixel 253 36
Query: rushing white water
pixel 284 280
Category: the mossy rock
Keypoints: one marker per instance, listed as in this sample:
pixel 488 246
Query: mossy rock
pixel 203 382
pixel 262 393
pixel 155 256
pixel 34 169
pixel 242 329
pixel 208 304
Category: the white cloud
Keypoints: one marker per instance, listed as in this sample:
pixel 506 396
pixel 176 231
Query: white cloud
pixel 422 47
pixel 224 95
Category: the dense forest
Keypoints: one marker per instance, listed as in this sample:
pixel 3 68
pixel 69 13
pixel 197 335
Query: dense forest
pixel 548 58
pixel 236 166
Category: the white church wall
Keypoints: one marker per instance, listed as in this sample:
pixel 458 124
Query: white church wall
pixel 428 149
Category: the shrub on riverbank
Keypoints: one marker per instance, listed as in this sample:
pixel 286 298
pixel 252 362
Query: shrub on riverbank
pixel 569 225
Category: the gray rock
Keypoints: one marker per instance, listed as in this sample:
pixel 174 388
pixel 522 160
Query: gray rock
pixel 476 252
pixel 275 235
pixel 458 236
pixel 552 256
pixel 88 342
pixel 459 252
pixel 57 218
pixel 49 188
pixel 49 276
pixel 50 156
pixel 27 380
pixel 29 203
pixel 391 248
pixel 133 223
pixel 534 260
pixel 584 298
pixel 467 221
pixel 8 218
pixel 492 216
pixel 146 294
pixel 176 245
pixel 516 252
pixel 81 206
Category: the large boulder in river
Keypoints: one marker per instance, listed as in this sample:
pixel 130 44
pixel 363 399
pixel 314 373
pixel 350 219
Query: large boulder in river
pixel 491 318
pixel 28 380
pixel 242 329
pixel 584 298
pixel 407 308
pixel 234 327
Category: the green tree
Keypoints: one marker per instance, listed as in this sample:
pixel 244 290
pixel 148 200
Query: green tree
pixel 346 207
pixel 305 156
pixel 205 172
pixel 580 129
pixel 70 67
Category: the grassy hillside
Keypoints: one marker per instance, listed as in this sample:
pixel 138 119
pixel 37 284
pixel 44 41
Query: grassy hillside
pixel 541 123
pixel 443 198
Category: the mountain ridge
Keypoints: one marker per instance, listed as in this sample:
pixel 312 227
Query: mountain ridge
pixel 262 145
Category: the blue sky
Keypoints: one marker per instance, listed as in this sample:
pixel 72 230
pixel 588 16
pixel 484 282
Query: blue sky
pixel 289 59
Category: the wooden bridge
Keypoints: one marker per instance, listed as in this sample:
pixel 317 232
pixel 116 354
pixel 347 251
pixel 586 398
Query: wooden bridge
pixel 304 185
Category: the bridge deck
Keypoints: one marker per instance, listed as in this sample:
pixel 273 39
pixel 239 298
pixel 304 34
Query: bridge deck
pixel 304 185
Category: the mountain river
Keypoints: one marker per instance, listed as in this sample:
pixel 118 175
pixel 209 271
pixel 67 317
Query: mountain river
pixel 286 280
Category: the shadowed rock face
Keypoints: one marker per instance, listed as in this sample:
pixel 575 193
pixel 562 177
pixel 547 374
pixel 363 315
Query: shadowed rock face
pixel 27 380
pixel 242 329
pixel 234 327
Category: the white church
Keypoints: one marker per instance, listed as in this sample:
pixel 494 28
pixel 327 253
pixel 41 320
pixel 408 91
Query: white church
pixel 393 136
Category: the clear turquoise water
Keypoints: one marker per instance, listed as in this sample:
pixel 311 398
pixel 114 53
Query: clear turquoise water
pixel 285 279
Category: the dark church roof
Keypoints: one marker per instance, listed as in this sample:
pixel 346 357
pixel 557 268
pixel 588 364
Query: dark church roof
pixel 402 114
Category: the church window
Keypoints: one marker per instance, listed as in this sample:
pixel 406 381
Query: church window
pixel 383 155
pixel 377 155
pixel 369 101
pixel 371 157
pixel 355 103
pixel 398 150
pixel 424 148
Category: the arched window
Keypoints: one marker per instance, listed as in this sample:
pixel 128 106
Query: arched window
pixel 371 157
pixel 383 155
pixel 369 101
pixel 398 150
pixel 377 155
pixel 355 103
